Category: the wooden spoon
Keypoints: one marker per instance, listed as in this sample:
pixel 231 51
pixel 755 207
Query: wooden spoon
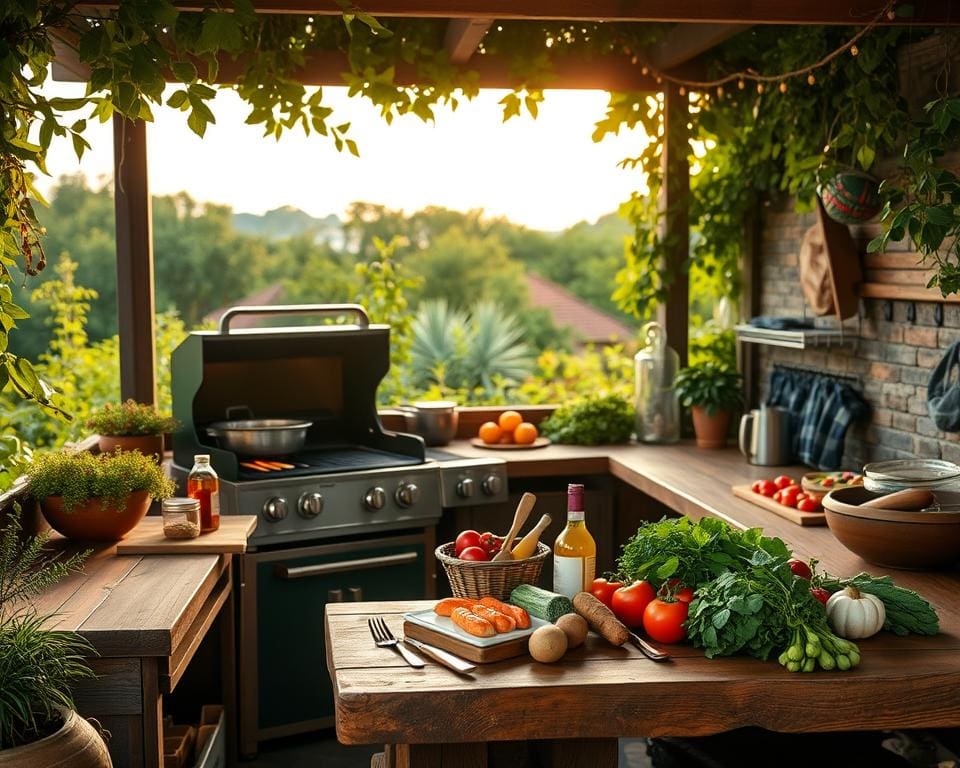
pixel 519 518
pixel 907 500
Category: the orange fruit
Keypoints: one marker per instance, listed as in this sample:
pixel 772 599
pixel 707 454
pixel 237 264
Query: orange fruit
pixel 506 438
pixel 510 420
pixel 490 432
pixel 525 434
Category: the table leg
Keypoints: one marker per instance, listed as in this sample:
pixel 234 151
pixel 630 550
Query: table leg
pixel 228 677
pixel 472 755
pixel 582 753
pixel 561 753
pixel 152 714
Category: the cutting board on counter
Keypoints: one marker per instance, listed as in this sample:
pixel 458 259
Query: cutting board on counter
pixel 440 631
pixel 789 513
pixel 148 539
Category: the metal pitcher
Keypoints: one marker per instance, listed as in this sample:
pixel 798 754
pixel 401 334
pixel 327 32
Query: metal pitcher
pixel 766 436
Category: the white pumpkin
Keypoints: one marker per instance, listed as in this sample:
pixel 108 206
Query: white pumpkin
pixel 854 614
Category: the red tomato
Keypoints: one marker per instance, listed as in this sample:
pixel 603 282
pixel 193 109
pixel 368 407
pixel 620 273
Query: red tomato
pixel 663 620
pixel 628 603
pixel 778 497
pixel 827 482
pixel 603 590
pixel 782 481
pixel 767 487
pixel 474 553
pixel 491 543
pixel 466 539
pixel 821 594
pixel 788 499
pixel 680 591
pixel 755 487
pixel 800 569
pixel 809 505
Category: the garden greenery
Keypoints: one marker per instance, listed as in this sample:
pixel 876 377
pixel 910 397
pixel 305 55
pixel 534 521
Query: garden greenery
pixel 712 386
pixel 78 476
pixel 130 419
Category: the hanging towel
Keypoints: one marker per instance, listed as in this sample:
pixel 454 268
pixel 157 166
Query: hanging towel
pixel 943 395
pixel 843 407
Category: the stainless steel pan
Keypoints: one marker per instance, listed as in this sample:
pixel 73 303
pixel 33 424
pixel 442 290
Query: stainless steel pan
pixel 260 437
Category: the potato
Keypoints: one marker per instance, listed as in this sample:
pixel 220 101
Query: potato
pixel 574 627
pixel 548 644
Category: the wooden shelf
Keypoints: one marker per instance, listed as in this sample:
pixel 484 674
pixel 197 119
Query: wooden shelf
pixel 798 339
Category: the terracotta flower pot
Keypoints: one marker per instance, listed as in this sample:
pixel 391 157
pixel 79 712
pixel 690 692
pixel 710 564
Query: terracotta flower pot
pixel 148 445
pixel 76 745
pixel 711 431
pixel 92 522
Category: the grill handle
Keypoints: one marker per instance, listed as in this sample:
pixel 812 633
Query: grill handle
pixel 363 320
pixel 325 569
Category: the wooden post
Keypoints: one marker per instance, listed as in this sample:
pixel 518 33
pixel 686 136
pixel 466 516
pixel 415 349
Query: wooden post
pixel 747 354
pixel 135 305
pixel 674 313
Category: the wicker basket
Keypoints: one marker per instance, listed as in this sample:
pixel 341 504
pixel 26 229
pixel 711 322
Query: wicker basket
pixel 476 579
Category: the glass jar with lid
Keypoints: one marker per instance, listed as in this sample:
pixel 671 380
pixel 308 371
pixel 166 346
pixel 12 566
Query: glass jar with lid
pixel 899 474
pixel 181 518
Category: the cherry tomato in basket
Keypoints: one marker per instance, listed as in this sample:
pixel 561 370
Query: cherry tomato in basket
pixel 474 553
pixel 800 569
pixel 782 481
pixel 663 620
pixel 629 603
pixel 603 590
pixel 491 543
pixel 466 539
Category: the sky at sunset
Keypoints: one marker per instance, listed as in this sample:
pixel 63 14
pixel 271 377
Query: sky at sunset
pixel 544 173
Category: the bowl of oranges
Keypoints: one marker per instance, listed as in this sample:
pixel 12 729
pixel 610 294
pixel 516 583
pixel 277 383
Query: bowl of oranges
pixel 509 432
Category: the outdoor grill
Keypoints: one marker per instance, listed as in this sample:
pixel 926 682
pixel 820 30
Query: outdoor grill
pixel 348 516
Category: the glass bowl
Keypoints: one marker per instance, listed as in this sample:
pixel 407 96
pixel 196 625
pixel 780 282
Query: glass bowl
pixel 931 474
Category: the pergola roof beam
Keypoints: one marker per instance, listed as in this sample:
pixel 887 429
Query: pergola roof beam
pixel 852 12
pixel 463 36
pixel 687 41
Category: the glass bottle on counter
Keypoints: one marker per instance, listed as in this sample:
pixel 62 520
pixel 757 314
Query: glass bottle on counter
pixel 575 551
pixel 204 486
pixel 655 400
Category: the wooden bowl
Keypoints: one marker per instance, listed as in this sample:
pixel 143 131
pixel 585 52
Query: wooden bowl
pixel 892 538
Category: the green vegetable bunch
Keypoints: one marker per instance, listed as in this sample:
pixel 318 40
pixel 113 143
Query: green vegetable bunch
pixel 710 385
pixel 591 421
pixel 130 419
pixel 78 476
pixel 906 611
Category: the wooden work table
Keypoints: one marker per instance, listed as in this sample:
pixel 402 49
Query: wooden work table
pixel 146 616
pixel 598 693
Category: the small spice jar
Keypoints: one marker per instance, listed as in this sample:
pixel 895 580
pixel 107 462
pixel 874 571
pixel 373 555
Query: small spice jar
pixel 181 518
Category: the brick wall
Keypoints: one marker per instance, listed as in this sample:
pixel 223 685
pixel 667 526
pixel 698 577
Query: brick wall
pixel 892 359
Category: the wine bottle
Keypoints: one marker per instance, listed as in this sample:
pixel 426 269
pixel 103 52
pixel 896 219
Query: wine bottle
pixel 575 551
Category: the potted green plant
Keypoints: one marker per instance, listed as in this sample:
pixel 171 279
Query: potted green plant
pixel 39 726
pixel 96 497
pixel 131 426
pixel 712 391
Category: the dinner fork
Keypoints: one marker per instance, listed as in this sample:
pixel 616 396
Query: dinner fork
pixel 384 638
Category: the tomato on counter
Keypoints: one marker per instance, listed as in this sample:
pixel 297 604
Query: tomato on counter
pixel 629 603
pixel 663 620
pixel 603 590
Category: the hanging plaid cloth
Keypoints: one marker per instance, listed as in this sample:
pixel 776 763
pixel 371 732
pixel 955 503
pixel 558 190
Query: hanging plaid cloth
pixel 844 407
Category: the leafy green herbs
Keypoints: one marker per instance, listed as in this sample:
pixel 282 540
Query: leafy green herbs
pixel 130 418
pixel 591 421
pixel 693 552
pixel 906 611
pixel 713 386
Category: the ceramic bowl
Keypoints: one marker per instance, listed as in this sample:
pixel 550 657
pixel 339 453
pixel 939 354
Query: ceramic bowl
pixel 892 538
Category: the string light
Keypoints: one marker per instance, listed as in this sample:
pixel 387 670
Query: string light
pixel 888 12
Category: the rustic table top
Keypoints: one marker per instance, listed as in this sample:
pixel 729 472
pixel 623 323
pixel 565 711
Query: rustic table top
pixel 599 692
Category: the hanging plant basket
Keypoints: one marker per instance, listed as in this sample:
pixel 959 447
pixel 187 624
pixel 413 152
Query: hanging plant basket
pixel 851 197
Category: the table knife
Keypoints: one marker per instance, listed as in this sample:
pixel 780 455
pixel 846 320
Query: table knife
pixel 651 652
pixel 442 657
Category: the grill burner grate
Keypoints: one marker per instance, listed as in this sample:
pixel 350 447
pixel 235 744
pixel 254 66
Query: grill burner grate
pixel 326 461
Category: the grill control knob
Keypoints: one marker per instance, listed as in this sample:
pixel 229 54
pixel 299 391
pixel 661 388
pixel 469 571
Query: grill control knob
pixel 275 509
pixel 492 484
pixel 375 499
pixel 407 495
pixel 465 488
pixel 310 505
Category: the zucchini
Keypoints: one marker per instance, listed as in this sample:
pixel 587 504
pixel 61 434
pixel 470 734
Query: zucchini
pixel 541 603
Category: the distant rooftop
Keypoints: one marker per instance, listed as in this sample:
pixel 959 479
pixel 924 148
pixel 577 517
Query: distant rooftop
pixel 588 324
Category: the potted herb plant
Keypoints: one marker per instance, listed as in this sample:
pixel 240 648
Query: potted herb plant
pixel 39 726
pixel 131 426
pixel 96 497
pixel 712 391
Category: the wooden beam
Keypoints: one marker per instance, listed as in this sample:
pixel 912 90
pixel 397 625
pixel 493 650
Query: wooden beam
pixel 926 12
pixel 687 41
pixel 135 306
pixel 607 73
pixel 751 262
pixel 463 36
pixel 674 313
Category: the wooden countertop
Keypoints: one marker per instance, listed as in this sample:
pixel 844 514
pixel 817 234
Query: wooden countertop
pixel 135 605
pixel 602 692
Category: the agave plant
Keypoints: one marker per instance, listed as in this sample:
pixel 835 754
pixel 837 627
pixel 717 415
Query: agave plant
pixel 458 350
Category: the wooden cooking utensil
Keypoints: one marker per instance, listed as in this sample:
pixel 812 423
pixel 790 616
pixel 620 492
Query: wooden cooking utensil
pixel 519 518
pixel 528 544
pixel 907 500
